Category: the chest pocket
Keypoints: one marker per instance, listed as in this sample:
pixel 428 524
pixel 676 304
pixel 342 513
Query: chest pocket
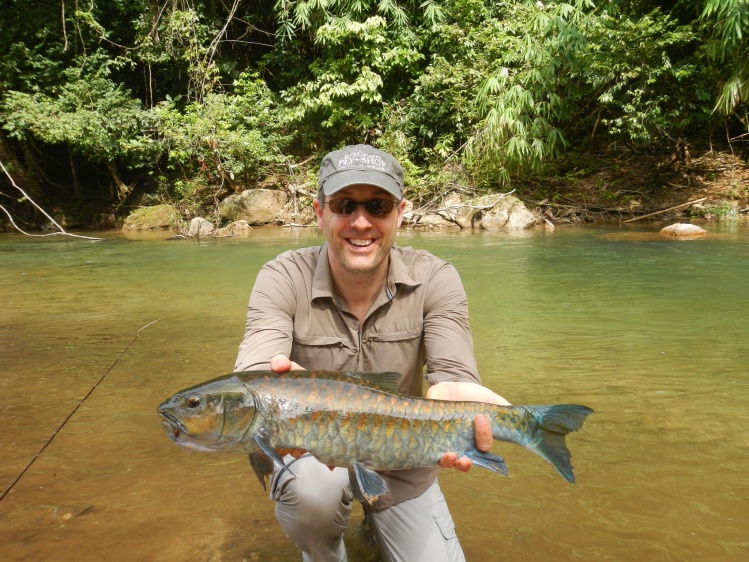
pixel 400 351
pixel 330 353
pixel 399 336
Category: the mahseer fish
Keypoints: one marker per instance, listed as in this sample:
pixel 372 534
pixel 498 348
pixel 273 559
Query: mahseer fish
pixel 355 420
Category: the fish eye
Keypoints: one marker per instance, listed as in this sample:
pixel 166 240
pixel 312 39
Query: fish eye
pixel 193 401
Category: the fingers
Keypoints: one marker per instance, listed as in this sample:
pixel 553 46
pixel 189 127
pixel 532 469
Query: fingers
pixel 484 440
pixel 448 460
pixel 483 433
pixel 280 364
pixel 296 453
pixel 451 460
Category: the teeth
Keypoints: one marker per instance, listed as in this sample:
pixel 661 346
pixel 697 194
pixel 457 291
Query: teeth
pixel 356 242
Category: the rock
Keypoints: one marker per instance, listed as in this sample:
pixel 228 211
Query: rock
pixel 457 212
pixel 683 230
pixel 256 206
pixel 433 220
pixel 152 218
pixel 509 213
pixel 200 227
pixel 236 228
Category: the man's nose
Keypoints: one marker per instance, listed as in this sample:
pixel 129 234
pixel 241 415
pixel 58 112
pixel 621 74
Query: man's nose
pixel 359 218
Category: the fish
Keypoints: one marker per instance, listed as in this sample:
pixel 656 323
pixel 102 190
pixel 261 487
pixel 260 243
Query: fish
pixel 355 420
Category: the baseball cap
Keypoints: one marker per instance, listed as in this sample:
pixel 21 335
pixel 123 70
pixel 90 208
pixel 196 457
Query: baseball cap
pixel 360 164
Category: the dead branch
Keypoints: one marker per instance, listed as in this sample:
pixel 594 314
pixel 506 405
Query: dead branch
pixel 687 204
pixel 584 211
pixel 30 200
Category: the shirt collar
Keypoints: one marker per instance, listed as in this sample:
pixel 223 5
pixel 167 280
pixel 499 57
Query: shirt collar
pixel 398 274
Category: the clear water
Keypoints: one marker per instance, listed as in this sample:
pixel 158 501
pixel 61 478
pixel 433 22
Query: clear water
pixel 652 333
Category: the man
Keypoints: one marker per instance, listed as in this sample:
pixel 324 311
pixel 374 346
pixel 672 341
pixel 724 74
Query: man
pixel 360 303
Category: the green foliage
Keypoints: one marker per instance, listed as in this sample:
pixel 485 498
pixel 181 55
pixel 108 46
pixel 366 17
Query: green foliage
pixel 719 212
pixel 226 137
pixel 729 47
pixel 95 117
pixel 643 94
pixel 192 94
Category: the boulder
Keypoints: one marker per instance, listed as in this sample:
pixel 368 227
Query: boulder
pixel 234 229
pixel 200 227
pixel 255 206
pixel 509 213
pixel 488 212
pixel 683 230
pixel 153 218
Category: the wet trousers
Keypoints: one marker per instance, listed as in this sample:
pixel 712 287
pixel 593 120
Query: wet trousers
pixel 314 510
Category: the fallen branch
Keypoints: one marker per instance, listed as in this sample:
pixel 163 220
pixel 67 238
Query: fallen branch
pixel 478 207
pixel 687 204
pixel 444 212
pixel 54 222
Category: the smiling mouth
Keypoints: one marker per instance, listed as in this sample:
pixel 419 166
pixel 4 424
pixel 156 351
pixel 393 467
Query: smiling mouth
pixel 360 243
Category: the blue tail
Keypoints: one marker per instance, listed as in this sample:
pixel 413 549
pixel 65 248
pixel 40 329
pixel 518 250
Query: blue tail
pixel 553 423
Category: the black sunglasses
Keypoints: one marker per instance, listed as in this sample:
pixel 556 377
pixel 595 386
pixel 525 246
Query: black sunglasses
pixel 377 207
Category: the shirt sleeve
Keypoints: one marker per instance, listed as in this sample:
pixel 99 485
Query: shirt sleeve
pixel 447 333
pixel 270 319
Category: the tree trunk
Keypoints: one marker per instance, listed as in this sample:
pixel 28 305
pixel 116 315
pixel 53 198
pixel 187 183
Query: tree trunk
pixel 122 188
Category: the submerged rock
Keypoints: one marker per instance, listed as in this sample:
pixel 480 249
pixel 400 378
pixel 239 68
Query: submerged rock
pixel 683 229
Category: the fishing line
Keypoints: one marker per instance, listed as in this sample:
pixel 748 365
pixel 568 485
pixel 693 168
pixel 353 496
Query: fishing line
pixel 72 413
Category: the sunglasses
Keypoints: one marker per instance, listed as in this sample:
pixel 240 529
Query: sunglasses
pixel 376 207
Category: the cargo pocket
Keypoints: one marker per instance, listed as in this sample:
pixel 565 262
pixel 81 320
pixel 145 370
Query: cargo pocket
pixel 446 526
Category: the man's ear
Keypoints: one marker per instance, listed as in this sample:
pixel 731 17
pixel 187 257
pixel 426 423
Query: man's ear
pixel 401 207
pixel 318 212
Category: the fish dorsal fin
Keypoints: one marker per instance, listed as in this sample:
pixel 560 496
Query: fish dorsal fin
pixel 386 381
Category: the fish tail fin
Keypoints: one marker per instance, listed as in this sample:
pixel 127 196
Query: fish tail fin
pixel 553 423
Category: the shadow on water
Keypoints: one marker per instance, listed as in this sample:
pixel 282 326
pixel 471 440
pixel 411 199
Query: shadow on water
pixel 652 333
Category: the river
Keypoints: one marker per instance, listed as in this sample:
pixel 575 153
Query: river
pixel 652 333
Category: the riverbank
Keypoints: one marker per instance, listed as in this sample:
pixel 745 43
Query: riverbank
pixel 620 184
pixel 609 186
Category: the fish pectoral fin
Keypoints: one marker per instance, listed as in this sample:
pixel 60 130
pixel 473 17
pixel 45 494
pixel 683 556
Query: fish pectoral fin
pixel 263 442
pixel 369 484
pixel 262 465
pixel 488 461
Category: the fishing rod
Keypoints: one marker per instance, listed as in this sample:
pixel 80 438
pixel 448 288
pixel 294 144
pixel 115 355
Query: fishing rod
pixel 72 413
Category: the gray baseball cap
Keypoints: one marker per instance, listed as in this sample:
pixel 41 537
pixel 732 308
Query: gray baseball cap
pixel 360 164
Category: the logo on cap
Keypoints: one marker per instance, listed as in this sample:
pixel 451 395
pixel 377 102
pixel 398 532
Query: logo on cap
pixel 362 159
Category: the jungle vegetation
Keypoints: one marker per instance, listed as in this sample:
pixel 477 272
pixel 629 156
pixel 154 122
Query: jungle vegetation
pixel 108 104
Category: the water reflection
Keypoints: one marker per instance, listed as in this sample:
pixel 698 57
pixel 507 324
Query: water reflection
pixel 649 332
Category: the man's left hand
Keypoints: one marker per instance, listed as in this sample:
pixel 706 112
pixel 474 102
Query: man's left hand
pixel 482 431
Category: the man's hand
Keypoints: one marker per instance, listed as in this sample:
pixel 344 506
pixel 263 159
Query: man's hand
pixel 282 364
pixel 483 433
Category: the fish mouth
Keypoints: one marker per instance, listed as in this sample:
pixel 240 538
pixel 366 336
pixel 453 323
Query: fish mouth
pixel 174 427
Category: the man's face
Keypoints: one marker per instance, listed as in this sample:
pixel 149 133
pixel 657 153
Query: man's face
pixel 359 242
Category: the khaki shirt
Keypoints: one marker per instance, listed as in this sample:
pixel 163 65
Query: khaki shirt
pixel 420 318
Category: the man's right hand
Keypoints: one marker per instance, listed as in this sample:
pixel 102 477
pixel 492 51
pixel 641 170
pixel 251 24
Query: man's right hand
pixel 281 364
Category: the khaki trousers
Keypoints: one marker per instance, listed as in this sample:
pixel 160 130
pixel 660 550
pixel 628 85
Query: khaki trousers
pixel 314 510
